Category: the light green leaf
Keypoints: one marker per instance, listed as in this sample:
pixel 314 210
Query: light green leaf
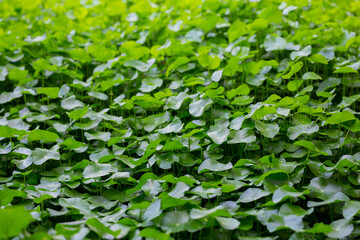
pixel 285 192
pixel 40 155
pixel 71 103
pixel 175 126
pixel 295 131
pixel 273 43
pixel 245 135
pixel 340 229
pixel 347 101
pixel 269 130
pixel 214 166
pixel 98 95
pixel 252 194
pixel 311 75
pixel 153 121
pixel 153 211
pixel 218 134
pixel 218 211
pixel 150 84
pixel 216 76
pixel 228 223
pixel 197 108
pixel 140 66
pixel 174 221
pixel 350 209
pixel 175 102
pixel 277 222
pixel 302 53
pixel 102 136
pixel 337 197
pixel 177 63
pixel 96 170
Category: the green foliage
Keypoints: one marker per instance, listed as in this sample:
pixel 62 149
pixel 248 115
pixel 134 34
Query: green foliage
pixel 191 119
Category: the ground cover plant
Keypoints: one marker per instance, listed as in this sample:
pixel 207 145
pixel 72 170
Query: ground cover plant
pixel 189 119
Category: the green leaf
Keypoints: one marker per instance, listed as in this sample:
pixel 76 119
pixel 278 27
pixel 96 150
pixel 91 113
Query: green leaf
pixel 98 227
pixel 13 220
pixel 285 192
pixel 347 101
pixel 7 196
pixel 245 135
pixel 77 114
pixel 41 155
pixel 243 89
pixel 271 13
pixel 277 222
pixel 153 234
pixel 218 134
pixel 71 103
pixel 51 92
pixel 218 211
pixel 197 108
pixel 174 221
pixel 214 166
pixel 236 30
pixel 317 58
pixel 42 198
pixel 175 126
pixel 340 229
pixel 340 117
pixel 294 85
pixel 273 43
pixel 140 66
pixel 153 121
pixel 345 69
pixel 296 131
pixel 8 132
pixel 228 223
pixel 337 197
pixel 252 194
pixel 209 61
pixel 41 135
pixel 258 24
pixel 269 130
pixel 177 63
pixel 320 228
pixel 294 69
pixel 96 170
pixel 302 53
pixel 311 75
pixel 17 74
pixel 150 84
pixel 350 209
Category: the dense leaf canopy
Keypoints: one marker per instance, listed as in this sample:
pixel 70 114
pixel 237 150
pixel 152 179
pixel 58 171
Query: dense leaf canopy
pixel 179 119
